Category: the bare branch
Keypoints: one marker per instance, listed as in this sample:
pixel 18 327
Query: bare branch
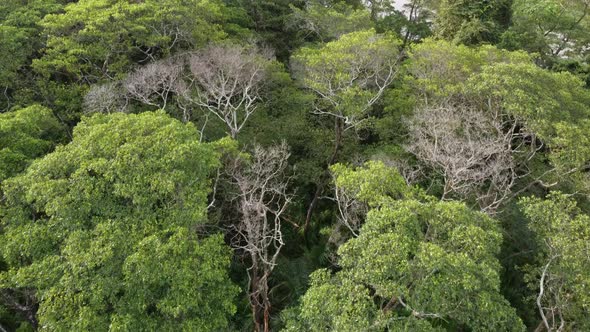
pixel 263 198
pixel 541 293
pixel 106 98
pixel 154 83
pixel 228 81
pixel 472 150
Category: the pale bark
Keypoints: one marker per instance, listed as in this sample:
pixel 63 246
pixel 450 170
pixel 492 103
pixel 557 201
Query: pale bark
pixel 263 198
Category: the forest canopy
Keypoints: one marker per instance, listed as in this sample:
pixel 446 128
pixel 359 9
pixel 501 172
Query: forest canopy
pixel 294 165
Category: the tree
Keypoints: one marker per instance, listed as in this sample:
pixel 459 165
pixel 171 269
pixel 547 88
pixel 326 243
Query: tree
pixel 154 84
pixel 438 69
pixel 100 234
pixel 20 39
pixel 411 20
pixel 552 28
pixel 348 76
pixel 472 150
pixel 485 120
pixel 379 7
pixel 268 20
pixel 225 80
pixel 99 41
pixel 561 274
pixel 472 22
pixel 106 98
pixel 534 98
pixel 94 40
pixel 25 135
pixel 328 20
pixel 228 82
pixel 263 199
pixel 358 189
pixel 417 264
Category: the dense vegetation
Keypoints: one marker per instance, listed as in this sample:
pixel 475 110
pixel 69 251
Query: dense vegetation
pixel 294 165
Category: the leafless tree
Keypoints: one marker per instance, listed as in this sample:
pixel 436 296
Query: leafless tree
pixel 154 84
pixel 263 198
pixel 228 81
pixel 105 98
pixel 473 150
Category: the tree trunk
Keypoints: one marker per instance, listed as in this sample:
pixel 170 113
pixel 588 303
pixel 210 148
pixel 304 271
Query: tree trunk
pixel 267 307
pixel 254 296
pixel 259 301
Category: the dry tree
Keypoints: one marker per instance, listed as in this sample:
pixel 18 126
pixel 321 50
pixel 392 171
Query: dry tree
pixel 105 98
pixel 474 151
pixel 262 198
pixel 227 81
pixel 155 83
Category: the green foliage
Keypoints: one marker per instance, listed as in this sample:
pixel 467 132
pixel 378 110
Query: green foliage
pixel 413 27
pixel 20 34
pixel 552 106
pixel 374 183
pixel 328 20
pixel 268 20
pixel 20 39
pixel 349 73
pixel 333 304
pixel 563 265
pixel 99 39
pixel 111 231
pixel 100 228
pixel 26 134
pixel 540 97
pixel 417 263
pixel 472 22
pixel 13 53
pixel 439 69
pixel 552 28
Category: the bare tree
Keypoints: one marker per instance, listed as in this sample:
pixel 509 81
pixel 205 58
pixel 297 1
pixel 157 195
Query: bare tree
pixel 472 150
pixel 228 81
pixel 6 100
pixel 154 84
pixel 263 198
pixel 106 98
